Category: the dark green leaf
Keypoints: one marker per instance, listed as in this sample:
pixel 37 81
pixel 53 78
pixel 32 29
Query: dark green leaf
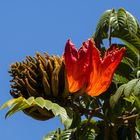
pixel 120 24
pixel 102 28
pixel 60 135
pixel 114 98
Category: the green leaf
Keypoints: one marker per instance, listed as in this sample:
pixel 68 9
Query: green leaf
pixel 133 47
pixel 66 135
pixel 102 27
pixel 129 88
pixel 121 17
pixel 58 111
pixel 119 24
pixel 128 61
pixel 114 98
pixel 137 88
pixel 84 132
pixel 50 136
pixel 21 105
pixel 132 23
pixel 119 79
pixel 130 99
pixel 11 102
pixel 60 135
pixel 40 102
pixel 137 102
pixel 29 101
pixel 138 73
pixel 125 71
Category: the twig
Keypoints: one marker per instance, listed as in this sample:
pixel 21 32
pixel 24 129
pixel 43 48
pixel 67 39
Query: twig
pixel 124 119
pixel 132 117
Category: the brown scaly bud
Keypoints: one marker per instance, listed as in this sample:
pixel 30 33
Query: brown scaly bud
pixel 39 76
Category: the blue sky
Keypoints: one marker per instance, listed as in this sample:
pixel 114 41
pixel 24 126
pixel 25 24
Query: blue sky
pixel 27 26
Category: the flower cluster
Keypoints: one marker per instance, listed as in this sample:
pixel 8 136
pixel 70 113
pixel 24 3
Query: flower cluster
pixel 86 69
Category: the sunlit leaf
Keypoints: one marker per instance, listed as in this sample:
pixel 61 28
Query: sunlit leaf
pixel 56 109
pixel 30 100
pixel 17 107
pixel 129 88
pixel 22 103
pixel 11 102
pixel 50 136
pixel 40 102
pixel 119 79
pixel 130 99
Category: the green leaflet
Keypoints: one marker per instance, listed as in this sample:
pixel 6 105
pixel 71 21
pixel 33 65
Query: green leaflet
pixel 126 60
pixel 59 111
pixel 59 135
pixel 119 24
pixel 102 28
pixel 11 102
pixel 114 98
pixel 70 134
pixel 51 136
pixel 22 103
pixel 129 88
pixel 137 88
pixel 119 79
pixel 17 107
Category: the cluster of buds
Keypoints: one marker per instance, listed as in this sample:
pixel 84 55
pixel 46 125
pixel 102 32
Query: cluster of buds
pixel 39 76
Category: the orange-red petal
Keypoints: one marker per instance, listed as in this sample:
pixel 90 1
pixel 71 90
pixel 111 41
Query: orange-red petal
pixel 103 69
pixel 77 65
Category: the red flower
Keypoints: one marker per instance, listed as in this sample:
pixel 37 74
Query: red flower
pixel 103 69
pixel 77 65
pixel 85 68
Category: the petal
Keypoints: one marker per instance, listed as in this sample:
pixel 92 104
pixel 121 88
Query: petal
pixel 77 65
pixel 103 70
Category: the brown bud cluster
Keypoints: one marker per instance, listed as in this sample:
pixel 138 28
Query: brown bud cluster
pixel 39 76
